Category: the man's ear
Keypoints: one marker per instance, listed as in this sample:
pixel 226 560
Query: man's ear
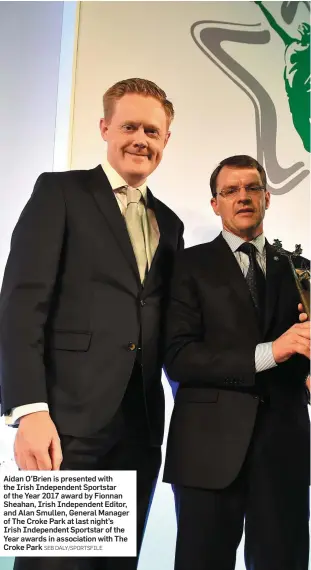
pixel 103 125
pixel 167 136
pixel 267 199
pixel 214 205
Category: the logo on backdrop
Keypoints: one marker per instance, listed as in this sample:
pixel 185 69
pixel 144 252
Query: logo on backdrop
pixel 209 35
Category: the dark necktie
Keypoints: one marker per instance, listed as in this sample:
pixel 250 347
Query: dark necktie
pixel 255 279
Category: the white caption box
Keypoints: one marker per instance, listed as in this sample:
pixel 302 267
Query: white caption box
pixel 68 513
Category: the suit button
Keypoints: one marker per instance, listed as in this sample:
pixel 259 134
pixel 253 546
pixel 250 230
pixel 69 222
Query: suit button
pixel 131 346
pixel 142 302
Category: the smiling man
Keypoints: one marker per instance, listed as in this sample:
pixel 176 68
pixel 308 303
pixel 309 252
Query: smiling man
pixel 126 131
pixel 81 310
pixel 238 444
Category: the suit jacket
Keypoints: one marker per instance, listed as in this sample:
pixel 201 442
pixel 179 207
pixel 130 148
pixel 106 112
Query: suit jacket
pixel 212 333
pixel 73 313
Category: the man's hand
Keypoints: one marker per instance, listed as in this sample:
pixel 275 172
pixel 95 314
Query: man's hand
pixel 37 445
pixel 295 340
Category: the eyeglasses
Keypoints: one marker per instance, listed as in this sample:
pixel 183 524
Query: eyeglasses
pixel 231 192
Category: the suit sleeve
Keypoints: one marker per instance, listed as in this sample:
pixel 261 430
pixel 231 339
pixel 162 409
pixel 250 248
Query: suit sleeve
pixel 27 289
pixel 190 356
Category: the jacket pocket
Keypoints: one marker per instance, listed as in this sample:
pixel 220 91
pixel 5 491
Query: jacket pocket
pixel 69 340
pixel 197 395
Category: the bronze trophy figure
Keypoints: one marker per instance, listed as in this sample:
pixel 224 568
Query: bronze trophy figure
pixel 301 275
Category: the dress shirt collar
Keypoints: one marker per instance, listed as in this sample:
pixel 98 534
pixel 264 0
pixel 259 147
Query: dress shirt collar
pixel 234 241
pixel 116 181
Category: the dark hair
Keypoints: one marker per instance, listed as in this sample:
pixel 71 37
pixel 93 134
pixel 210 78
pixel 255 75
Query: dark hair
pixel 240 161
pixel 139 86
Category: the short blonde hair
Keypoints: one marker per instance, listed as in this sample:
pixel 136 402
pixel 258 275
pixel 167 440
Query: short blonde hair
pixel 140 87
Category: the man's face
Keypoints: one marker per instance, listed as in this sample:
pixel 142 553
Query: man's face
pixel 241 212
pixel 136 136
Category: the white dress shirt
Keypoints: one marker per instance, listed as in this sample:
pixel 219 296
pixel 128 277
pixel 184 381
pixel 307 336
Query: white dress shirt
pixel 117 184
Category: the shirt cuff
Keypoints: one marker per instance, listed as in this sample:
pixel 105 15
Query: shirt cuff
pixel 264 358
pixel 12 419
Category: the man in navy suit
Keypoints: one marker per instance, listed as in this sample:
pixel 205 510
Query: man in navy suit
pixel 238 444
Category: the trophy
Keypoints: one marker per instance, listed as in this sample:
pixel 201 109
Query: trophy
pixel 301 275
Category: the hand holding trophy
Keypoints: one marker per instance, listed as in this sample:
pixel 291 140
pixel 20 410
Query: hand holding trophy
pixel 301 275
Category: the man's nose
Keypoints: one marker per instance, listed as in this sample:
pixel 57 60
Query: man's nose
pixel 244 195
pixel 140 139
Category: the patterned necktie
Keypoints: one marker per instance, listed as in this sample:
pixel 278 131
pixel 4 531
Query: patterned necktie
pixel 255 279
pixel 143 238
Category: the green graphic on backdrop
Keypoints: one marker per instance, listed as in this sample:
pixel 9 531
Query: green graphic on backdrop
pixel 213 38
pixel 297 75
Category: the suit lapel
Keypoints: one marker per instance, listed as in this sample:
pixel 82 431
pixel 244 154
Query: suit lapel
pixel 228 271
pixel 276 265
pixel 104 197
pixel 160 217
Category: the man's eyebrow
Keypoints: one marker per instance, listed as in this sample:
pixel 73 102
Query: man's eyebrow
pixel 146 126
pixel 152 127
pixel 251 183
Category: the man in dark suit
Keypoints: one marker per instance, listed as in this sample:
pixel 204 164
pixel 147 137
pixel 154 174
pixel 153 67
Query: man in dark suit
pixel 238 444
pixel 81 310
